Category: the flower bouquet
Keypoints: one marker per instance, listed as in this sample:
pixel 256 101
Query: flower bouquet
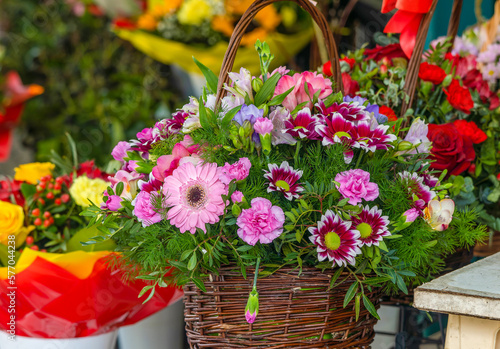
pixel 47 271
pixel 12 100
pixel 172 32
pixel 280 193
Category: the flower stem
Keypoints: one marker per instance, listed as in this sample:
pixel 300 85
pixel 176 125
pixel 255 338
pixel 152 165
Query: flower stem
pixel 296 156
pixel 256 273
pixel 359 159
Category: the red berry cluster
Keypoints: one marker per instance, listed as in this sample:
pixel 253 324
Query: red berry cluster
pixel 49 190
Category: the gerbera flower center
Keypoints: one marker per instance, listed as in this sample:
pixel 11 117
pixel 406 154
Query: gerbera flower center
pixel 282 185
pixel 196 196
pixel 364 229
pixel 332 240
pixel 341 134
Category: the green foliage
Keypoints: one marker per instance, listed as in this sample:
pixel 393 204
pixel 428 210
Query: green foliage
pixel 97 87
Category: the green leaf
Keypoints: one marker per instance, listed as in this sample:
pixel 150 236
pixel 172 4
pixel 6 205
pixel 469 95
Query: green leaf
pixel 200 285
pixel 401 284
pixel 357 305
pixel 370 307
pixel 203 115
pixel 244 248
pixel 185 255
pixel 192 262
pixel 212 80
pixel 229 116
pixel 28 190
pixel 383 246
pixel 119 188
pixel 267 89
pixel 151 294
pixel 335 276
pixel 144 290
pixel 280 98
pixel 334 97
pixel 351 292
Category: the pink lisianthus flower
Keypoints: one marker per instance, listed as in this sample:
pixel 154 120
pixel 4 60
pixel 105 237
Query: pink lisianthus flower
pixel 238 171
pixel 194 194
pixel 439 214
pixel 262 222
pixel 263 126
pixel 166 164
pixel 237 196
pixel 144 210
pixel 355 185
pixel 411 215
pixel 315 82
pixel 120 151
pixel 113 203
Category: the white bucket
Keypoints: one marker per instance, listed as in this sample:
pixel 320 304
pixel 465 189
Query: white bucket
pixel 165 329
pixel 102 341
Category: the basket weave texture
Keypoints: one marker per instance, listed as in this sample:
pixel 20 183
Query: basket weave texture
pixel 294 312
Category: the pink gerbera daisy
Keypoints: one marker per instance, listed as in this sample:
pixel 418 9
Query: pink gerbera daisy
pixel 303 125
pixel 371 225
pixel 284 179
pixel 195 195
pixel 336 240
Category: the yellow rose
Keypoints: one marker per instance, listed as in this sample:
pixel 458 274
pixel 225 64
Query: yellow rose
pixel 84 189
pixel 33 172
pixel 11 220
pixel 194 12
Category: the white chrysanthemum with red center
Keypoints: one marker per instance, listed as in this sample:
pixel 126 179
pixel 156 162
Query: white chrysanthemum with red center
pixel 194 194
pixel 336 240
pixel 284 179
pixel 371 225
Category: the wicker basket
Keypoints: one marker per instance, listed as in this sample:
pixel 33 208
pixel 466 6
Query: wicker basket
pixel 489 246
pixel 294 312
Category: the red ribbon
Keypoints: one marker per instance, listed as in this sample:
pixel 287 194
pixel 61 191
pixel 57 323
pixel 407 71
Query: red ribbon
pixel 406 20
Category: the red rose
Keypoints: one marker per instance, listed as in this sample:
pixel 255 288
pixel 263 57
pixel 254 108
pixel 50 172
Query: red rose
pixel 327 68
pixel 89 169
pixel 469 130
pixel 390 51
pixel 459 97
pixel 452 58
pixel 391 115
pixel 432 73
pixel 350 61
pixel 450 150
pixel 350 86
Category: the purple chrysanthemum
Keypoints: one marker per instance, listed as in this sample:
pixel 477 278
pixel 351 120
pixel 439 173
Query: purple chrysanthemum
pixel 354 112
pixel 371 225
pixel 303 125
pixel 336 240
pixel 284 179
pixel 370 140
pixel 420 193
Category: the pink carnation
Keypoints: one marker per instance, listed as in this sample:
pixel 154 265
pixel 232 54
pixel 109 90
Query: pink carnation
pixel 315 82
pixel 356 185
pixel 238 171
pixel 263 126
pixel 261 222
pixel 144 210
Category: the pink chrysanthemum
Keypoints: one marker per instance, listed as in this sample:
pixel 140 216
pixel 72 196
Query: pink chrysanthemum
pixel 354 112
pixel 284 179
pixel 336 240
pixel 303 125
pixel 371 225
pixel 371 140
pixel 195 195
pixel 420 193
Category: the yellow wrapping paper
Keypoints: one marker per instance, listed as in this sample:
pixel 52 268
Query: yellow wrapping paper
pixel 78 263
pixel 283 47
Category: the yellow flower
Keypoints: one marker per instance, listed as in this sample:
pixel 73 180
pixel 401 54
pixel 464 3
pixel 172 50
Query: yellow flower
pixel 11 220
pixel 33 172
pixel 194 12
pixel 84 189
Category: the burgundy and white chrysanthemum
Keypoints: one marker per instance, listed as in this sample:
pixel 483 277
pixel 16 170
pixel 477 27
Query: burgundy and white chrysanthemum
pixel 174 125
pixel 370 140
pixel 336 240
pixel 354 112
pixel 420 193
pixel 303 125
pixel 284 179
pixel 371 225
pixel 336 129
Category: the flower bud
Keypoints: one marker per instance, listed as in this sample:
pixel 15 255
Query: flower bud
pixel 257 84
pixel 236 210
pixel 252 308
pixel 447 80
pixel 405 145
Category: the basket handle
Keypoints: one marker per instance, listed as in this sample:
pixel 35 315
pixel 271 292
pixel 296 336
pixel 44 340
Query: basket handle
pixel 246 19
pixel 416 57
